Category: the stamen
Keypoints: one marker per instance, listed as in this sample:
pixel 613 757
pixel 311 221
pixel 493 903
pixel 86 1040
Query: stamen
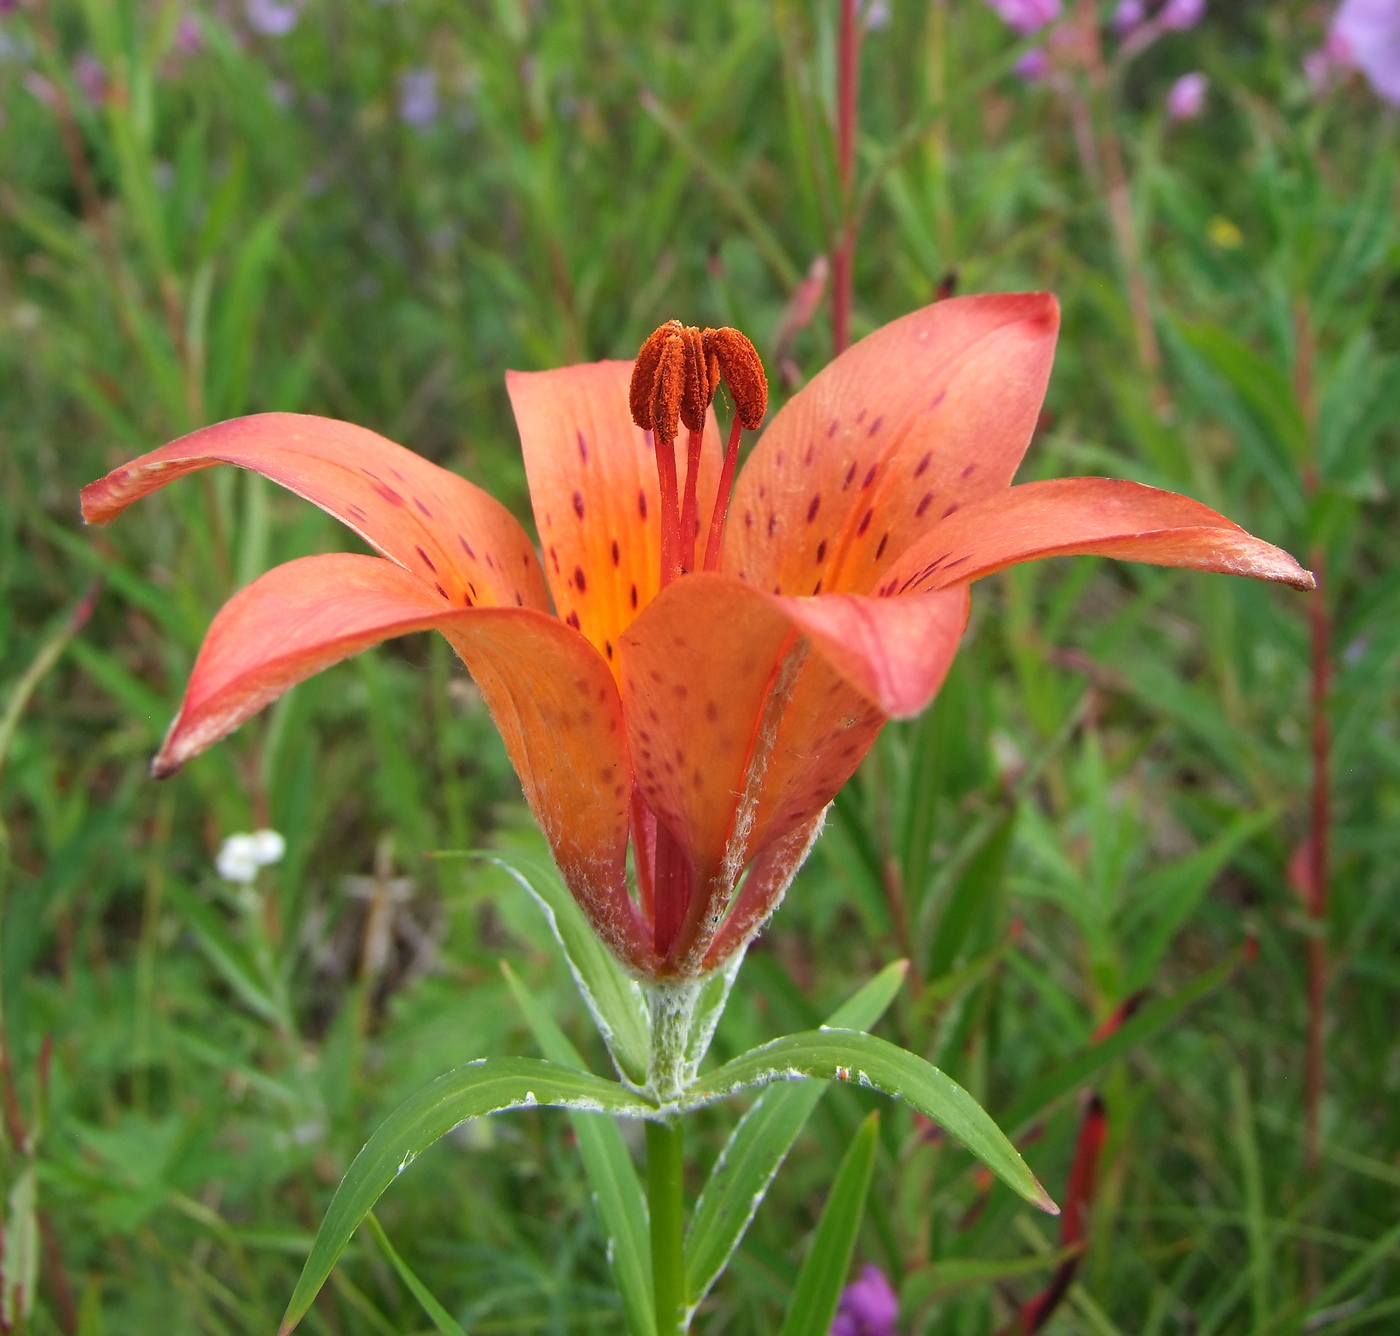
pixel 736 359
pixel 677 372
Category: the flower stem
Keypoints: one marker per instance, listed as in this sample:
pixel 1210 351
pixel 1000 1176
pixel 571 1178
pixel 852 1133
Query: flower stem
pixel 666 1206
pixel 843 258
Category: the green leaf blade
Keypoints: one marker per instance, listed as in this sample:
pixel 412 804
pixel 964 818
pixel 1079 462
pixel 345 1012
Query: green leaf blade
pixel 760 1143
pixel 845 1055
pixel 489 1085
pixel 823 1273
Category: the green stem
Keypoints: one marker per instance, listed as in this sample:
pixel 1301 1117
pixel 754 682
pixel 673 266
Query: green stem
pixel 666 1206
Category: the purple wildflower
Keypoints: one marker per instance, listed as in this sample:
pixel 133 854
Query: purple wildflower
pixel 1368 32
pixel 272 18
pixel 91 78
pixel 1033 66
pixel 1186 98
pixel 1130 14
pixel 188 37
pixel 1024 17
pixel 877 15
pixel 1178 15
pixel 868 1307
pixel 418 97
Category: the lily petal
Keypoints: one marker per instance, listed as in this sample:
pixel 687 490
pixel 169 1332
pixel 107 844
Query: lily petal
pixel 896 652
pixel 740 736
pixel 551 695
pixel 594 488
pixel 926 414
pixel 1078 516
pixel 462 541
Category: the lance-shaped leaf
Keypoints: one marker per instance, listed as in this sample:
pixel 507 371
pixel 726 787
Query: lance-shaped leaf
pixel 760 1143
pixel 862 1059
pixel 489 1085
pixel 611 1173
pixel 613 998
pixel 819 1283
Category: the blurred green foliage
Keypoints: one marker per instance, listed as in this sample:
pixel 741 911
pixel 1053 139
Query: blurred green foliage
pixel 198 220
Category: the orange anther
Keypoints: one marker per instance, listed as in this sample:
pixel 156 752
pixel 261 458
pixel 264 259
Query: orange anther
pixel 742 369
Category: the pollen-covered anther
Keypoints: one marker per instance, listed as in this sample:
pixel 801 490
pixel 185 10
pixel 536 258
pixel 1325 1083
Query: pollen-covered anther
pixel 643 386
pixel 738 362
pixel 668 389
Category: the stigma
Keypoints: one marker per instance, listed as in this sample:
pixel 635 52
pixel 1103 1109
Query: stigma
pixel 675 378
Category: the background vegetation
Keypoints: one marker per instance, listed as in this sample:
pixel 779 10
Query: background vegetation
pixel 372 215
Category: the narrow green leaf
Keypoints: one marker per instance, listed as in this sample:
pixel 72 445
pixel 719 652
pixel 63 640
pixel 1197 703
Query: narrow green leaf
pixel 760 1143
pixel 441 1318
pixel 488 1085
pixel 608 1163
pixel 938 1280
pixel 846 1055
pixel 615 1000
pixel 823 1274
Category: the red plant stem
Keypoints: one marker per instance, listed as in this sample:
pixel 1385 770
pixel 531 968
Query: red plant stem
pixel 690 521
pixel 670 510
pixel 1319 838
pixel 843 256
pixel 726 484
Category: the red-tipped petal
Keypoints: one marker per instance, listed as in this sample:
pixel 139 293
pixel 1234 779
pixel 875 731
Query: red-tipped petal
pixel 1079 516
pixel 895 651
pixel 593 485
pixel 430 521
pixel 930 412
pixel 551 695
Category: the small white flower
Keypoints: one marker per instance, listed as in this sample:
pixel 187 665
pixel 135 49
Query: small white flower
pixel 241 856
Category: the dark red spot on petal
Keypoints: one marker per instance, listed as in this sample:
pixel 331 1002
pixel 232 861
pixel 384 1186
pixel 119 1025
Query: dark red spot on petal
pixel 876 425
pixel 607 648
pixel 925 502
pixel 580 583
pixel 578 504
pixel 821 552
pixel 426 558
pixel 554 557
pixel 949 511
pixel 870 477
pixel 818 589
pixel 634 596
pixel 467 547
pixel 850 476
pixel 616 553
pixel 880 551
pixel 440 590
pixel 772 525
pixel 426 512
pixel 865 522
pixel 831 430
pixel 923 464
pixel 642 504
pixel 970 469
pixel 583 447
pixel 572 620
pixel 814 506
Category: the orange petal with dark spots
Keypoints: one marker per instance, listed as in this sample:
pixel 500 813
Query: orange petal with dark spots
pixel 746 713
pixel 594 490
pixel 551 695
pixel 931 412
pixel 1082 516
pixel 427 519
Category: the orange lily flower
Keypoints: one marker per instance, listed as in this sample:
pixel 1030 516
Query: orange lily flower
pixel 707 719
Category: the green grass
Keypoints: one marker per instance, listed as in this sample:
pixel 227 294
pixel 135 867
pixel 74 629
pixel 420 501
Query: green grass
pixel 1105 797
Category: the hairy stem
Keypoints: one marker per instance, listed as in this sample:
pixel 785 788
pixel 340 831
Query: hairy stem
pixel 666 1207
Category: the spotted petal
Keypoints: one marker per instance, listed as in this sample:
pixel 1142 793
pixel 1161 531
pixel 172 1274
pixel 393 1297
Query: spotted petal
pixel 930 412
pixel 551 695
pixel 1070 516
pixel 462 541
pixel 594 488
pixel 746 713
